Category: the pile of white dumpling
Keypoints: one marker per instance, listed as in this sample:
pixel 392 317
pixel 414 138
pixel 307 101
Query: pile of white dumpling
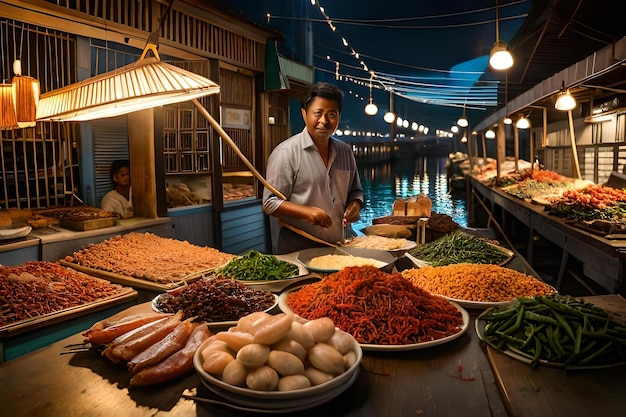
pixel 283 352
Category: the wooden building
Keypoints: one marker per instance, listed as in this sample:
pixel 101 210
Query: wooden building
pixel 171 148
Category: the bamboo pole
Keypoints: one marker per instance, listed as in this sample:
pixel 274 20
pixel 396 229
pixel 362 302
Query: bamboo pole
pixel 572 138
pixel 235 148
pixel 516 147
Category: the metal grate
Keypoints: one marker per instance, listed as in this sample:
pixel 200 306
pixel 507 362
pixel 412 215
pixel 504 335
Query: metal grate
pixel 39 164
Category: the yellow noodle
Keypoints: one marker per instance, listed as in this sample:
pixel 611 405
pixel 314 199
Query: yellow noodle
pixel 477 282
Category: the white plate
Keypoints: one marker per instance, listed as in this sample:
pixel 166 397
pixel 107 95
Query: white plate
pixel 282 304
pixel 476 304
pixel 15 233
pixel 212 324
pixel 479 325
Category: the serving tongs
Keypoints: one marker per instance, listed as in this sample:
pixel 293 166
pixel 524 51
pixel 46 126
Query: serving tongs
pixel 190 394
pixel 76 348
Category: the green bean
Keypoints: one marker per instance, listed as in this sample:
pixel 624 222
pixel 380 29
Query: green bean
pixel 539 317
pixel 459 247
pixel 564 324
pixel 578 340
pixel 510 339
pixel 518 320
pixel 546 329
pixel 597 353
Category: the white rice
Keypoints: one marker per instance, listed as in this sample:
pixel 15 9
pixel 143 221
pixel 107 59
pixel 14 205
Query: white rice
pixel 378 242
pixel 339 262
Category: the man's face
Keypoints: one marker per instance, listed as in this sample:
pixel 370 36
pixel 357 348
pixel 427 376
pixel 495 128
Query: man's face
pixel 321 118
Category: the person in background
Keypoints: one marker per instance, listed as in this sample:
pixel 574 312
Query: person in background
pixel 318 176
pixel 120 199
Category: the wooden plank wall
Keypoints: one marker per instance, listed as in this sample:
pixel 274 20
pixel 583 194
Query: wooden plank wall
pixel 243 229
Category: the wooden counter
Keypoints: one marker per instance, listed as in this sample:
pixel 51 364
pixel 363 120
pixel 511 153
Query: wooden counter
pixel 420 382
pixel 554 392
pixel 603 259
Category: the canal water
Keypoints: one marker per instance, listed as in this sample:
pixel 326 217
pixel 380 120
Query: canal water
pixel 403 178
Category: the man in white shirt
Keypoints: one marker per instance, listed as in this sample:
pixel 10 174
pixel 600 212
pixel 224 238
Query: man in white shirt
pixel 317 174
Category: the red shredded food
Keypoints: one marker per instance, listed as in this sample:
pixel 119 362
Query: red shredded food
pixel 376 307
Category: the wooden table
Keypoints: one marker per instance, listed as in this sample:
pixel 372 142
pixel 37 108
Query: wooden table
pixel 604 260
pixel 424 382
pixel 547 391
pixel 420 382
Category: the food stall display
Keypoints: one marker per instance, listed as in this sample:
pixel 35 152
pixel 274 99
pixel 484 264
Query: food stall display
pixel 215 299
pixel 597 208
pixel 256 266
pixel 477 285
pixel 78 218
pixel 461 247
pixel 381 310
pixel 147 260
pixel 538 186
pixel 155 348
pixel 39 293
pixel 556 331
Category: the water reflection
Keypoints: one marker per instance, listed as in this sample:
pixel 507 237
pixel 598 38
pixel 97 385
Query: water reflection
pixel 383 183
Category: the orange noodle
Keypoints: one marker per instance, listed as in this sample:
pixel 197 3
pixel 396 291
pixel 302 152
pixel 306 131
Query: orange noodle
pixel 376 307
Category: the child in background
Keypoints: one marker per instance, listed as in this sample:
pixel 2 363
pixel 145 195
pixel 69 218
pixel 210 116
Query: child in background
pixel 120 199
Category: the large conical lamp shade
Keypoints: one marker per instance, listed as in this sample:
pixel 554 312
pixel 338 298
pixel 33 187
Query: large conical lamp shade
pixel 141 85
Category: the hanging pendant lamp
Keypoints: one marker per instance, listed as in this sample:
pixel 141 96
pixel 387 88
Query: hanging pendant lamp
pixel 499 57
pixel 463 122
pixel 141 85
pixel 7 108
pixel 564 101
pixel 25 97
pixel 371 109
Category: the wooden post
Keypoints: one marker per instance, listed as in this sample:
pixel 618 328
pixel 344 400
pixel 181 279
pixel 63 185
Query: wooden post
pixel 500 148
pixel 516 147
pixel 484 148
pixel 142 164
pixel 572 138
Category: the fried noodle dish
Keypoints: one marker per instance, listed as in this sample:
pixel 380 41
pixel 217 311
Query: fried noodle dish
pixel 377 307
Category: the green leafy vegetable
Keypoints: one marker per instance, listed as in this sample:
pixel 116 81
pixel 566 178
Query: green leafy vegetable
pixel 256 266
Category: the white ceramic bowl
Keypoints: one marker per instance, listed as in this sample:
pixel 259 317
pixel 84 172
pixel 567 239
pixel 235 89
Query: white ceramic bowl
pixel 280 401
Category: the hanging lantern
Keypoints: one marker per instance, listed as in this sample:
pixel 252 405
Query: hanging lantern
pixel 7 108
pixel 25 97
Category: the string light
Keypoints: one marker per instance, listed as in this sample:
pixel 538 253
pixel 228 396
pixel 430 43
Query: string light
pixel 476 97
